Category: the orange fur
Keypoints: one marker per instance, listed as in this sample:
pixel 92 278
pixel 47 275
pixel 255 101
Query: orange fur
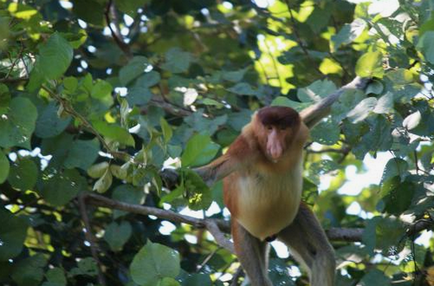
pixel 264 195
pixel 262 185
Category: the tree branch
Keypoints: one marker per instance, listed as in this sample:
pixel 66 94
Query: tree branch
pixel 216 227
pixel 90 237
pixel 313 114
pixel 117 37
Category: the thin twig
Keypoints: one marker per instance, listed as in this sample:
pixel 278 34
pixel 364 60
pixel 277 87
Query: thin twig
pixel 115 34
pixel 206 260
pixel 90 237
pixel 71 111
pixel 13 80
pixel 15 62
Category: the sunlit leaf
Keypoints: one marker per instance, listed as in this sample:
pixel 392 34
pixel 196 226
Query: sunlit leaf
pixel 370 65
pixel 412 120
pixel 348 33
pixel 362 110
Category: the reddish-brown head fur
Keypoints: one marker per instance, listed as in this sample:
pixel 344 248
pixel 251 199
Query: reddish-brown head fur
pixel 275 128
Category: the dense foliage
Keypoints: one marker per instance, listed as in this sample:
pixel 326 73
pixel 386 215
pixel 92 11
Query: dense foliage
pixel 97 95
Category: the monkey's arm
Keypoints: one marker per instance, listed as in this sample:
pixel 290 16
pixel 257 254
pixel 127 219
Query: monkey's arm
pixel 313 114
pixel 238 155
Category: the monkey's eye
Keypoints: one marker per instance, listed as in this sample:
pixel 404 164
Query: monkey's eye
pixel 269 127
pixel 283 128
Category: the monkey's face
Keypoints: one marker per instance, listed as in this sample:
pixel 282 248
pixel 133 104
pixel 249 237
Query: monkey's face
pixel 278 127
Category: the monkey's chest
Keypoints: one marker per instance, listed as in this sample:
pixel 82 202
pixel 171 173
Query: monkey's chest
pixel 268 203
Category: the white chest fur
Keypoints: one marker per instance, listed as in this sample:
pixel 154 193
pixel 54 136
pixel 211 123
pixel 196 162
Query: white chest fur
pixel 269 202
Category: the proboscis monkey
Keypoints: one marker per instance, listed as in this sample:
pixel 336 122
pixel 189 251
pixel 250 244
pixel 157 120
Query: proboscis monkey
pixel 262 185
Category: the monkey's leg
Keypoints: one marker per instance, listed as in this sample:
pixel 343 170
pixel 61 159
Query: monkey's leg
pixel 310 247
pixel 252 254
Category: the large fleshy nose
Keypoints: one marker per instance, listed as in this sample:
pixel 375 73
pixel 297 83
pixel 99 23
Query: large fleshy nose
pixel 274 147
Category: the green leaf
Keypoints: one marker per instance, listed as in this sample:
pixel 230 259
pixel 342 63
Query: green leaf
pixel 177 61
pixel 401 77
pixel 29 271
pixel 384 104
pixel 375 277
pixel 243 88
pixel 348 34
pixel 82 154
pixel 48 123
pixel 118 234
pixel 138 95
pixel 59 188
pixel 55 56
pixel 199 195
pixel 389 232
pixel 102 90
pixel 427 26
pixel 395 167
pixel 378 138
pixel 153 263
pixel 284 101
pixel 13 231
pixel 199 150
pixel 412 120
pixel 168 281
pixel 148 79
pixel 24 174
pixel 315 91
pixel 397 196
pixel 362 110
pixel 90 11
pixel 375 87
pixel 322 167
pixel 370 65
pixel 4 167
pixel 127 194
pixel 325 133
pixel 167 130
pixel 197 280
pixel 5 98
pixel 234 76
pixel 86 266
pixel 103 183
pixel 133 69
pixel 346 102
pixel 131 6
pixel 55 277
pixel 319 19
pixel 114 132
pixel 17 126
pixel 426 46
pixel 98 170
pixel 70 83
